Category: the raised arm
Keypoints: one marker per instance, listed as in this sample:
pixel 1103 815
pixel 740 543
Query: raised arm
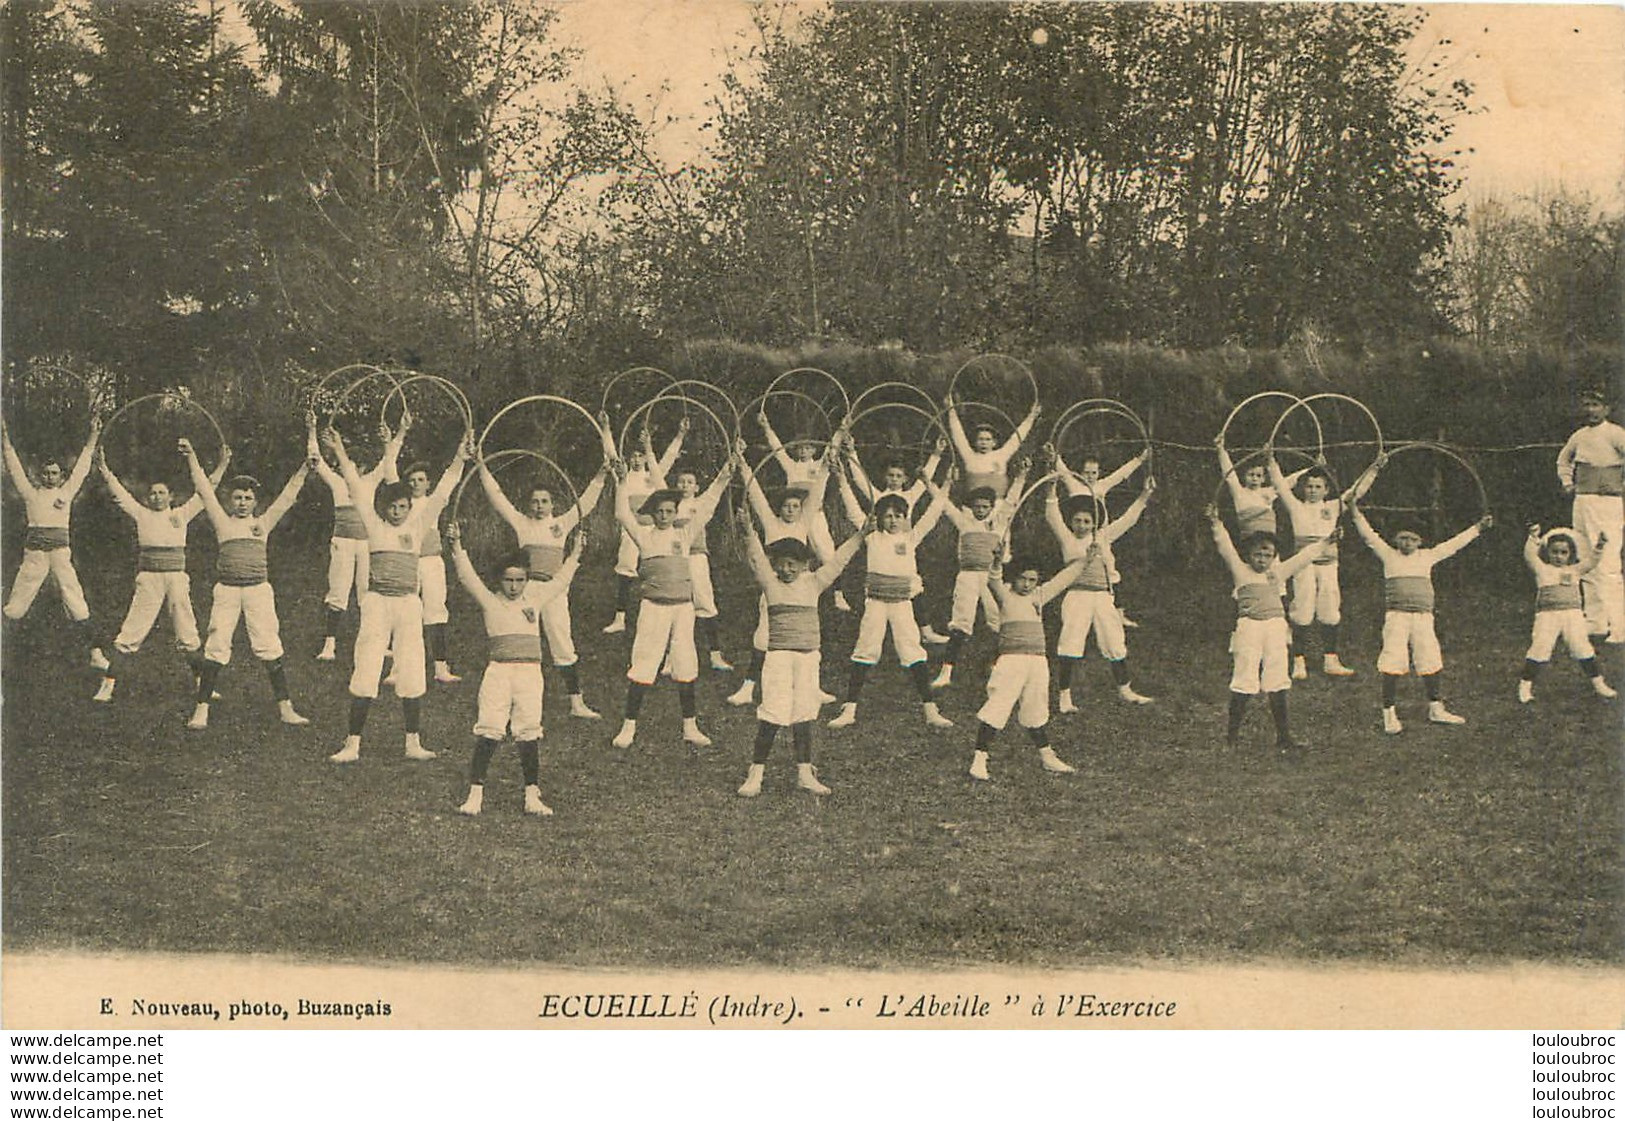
pixel 290 494
pixel 623 504
pixel 849 500
pixel 505 509
pixel 956 432
pixel 711 497
pixel 611 452
pixel 564 577
pixel 933 513
pixel 673 450
pixel 817 488
pixel 441 494
pixel 586 503
pixel 87 455
pixel 313 456
pixel 1282 485
pixel 1060 582
pixel 201 488
pixel 1023 430
pixel 1131 516
pixel 14 465
pixel 755 496
pixel 774 444
pixel 1117 477
pixel 837 562
pixel 755 555
pixel 1052 515
pixel 388 466
pixel 121 497
pixel 1227 548
pixel 1444 550
pixel 1307 555
pixel 1231 479
pixel 466 575
pixel 1531 549
pixel 860 477
pixel 961 520
pixel 1018 482
pixel 1370 536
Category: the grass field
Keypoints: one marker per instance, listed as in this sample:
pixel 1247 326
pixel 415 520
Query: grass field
pixel 1493 842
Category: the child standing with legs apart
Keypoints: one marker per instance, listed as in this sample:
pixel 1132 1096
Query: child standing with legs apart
pixel 391 609
pixel 893 579
pixel 790 691
pixel 1316 595
pixel 1258 648
pixel 665 626
pixel 511 688
pixel 983 524
pixel 1408 638
pixel 242 589
pixel 1019 682
pixel 1559 565
pixel 161 576
pixel 347 550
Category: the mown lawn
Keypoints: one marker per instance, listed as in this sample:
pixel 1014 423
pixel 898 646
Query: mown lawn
pixel 1492 842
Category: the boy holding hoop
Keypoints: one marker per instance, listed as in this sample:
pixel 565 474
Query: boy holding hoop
pixel 391 609
pixel 542 534
pixel 511 687
pixel 791 694
pixel 1316 596
pixel 161 577
pixel 347 549
pixel 46 553
pixel 242 588
pixel 983 524
pixel 645 474
pixel 665 626
pixel 985 461
pixel 1408 637
pixel 802 467
pixel 894 480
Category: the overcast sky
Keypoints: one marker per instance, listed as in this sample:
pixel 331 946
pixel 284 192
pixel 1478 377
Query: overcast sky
pixel 1550 79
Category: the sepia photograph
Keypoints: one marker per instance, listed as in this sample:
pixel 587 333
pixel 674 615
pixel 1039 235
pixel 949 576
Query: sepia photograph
pixel 817 515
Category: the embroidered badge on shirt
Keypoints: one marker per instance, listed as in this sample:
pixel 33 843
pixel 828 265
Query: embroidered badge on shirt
pixel 900 549
pixel 406 540
pixel 530 614
pixel 256 530
pixel 557 532
pixel 175 520
pixel 59 503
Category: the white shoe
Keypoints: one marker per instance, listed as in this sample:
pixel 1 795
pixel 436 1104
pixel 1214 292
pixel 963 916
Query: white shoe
pixel 628 732
pixel 1603 689
pixel 389 679
pixel 415 748
pixel 841 603
pixel 934 717
pixel 929 635
pixel 443 674
pixel 1300 668
pixel 944 678
pixel 807 779
pixel 1526 691
pixel 978 766
pixel 1390 722
pixel 693 735
pixel 1128 694
pixel 1064 702
pixel 285 713
pixel 1128 624
pixel 1332 666
pixel 752 786
pixel 617 624
pixel 105 693
pixel 534 804
pixel 1438 714
pixel 742 696
pixel 848 717
pixel 329 651
pixel 200 717
pixel 720 664
pixel 98 660
pixel 1053 763
pixel 474 802
pixel 826 698
pixel 578 707
pixel 349 753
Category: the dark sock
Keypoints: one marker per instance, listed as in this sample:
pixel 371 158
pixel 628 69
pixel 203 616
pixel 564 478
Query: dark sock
pixel 208 676
pixel 634 699
pixel 278 672
pixel 330 621
pixel 530 761
pixel 412 713
pixel 758 658
pixel 765 734
pixel 1330 638
pixel 1119 670
pixel 956 643
pixel 1278 711
pixel 1039 735
pixel 914 605
pixel 1063 671
pixel 1532 668
pixel 802 733
pixel 1300 638
pixel 572 679
pixel 1390 689
pixel 1434 684
pixel 920 674
pixel 1592 669
pixel 985 734
pixel 437 641
pixel 686 700
pixel 358 714
pixel 623 593
pixel 854 681
pixel 1238 710
pixel 483 750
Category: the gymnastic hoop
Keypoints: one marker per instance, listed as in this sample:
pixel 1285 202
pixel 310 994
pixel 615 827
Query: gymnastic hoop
pixel 758 405
pixel 1224 431
pixel 170 400
pixel 609 386
pixel 932 420
pixel 681 388
pixel 1449 453
pixel 846 402
pixel 1320 428
pixel 1001 363
pixel 1259 456
pixel 533 399
pixel 454 394
pixel 508 456
pixel 1096 406
pixel 925 400
pixel 686 402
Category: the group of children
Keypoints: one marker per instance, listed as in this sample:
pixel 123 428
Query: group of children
pixel 387 548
